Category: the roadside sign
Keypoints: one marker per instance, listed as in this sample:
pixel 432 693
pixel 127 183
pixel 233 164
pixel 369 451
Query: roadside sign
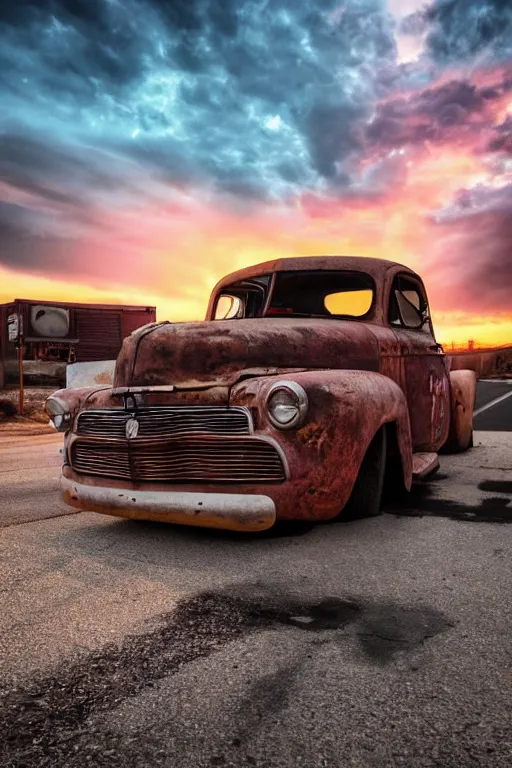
pixel 13 327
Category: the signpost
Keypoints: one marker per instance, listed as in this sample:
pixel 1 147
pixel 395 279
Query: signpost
pixel 20 363
pixel 12 327
pixel 15 333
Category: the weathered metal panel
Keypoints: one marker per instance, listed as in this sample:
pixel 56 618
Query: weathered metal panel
pixel 216 353
pixel 427 389
pixel 99 334
pixel 131 319
pixel 88 374
pixel 346 408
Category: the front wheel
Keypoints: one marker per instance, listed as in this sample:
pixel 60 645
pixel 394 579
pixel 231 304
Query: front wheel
pixel 366 497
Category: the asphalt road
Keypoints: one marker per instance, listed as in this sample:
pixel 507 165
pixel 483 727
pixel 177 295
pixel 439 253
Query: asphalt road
pixel 493 407
pixel 381 642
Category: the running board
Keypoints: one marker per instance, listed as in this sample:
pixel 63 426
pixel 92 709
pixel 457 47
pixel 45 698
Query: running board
pixel 424 464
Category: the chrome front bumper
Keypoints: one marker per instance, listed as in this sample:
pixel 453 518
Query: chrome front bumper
pixel 231 511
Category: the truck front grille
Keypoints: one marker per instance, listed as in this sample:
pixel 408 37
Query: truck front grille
pixel 175 444
pixel 202 459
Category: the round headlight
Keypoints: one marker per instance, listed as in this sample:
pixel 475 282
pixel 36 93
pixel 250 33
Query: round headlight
pixel 59 413
pixel 287 405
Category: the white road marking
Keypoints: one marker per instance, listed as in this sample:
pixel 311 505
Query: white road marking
pixel 495 381
pixel 493 403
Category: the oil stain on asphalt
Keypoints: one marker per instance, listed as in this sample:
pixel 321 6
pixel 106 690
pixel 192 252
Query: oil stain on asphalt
pixel 55 721
pixel 421 502
pixel 496 486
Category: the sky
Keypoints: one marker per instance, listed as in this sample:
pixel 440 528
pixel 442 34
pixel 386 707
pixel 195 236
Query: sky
pixel 148 147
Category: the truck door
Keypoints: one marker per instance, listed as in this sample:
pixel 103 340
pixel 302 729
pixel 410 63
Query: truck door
pixel 427 385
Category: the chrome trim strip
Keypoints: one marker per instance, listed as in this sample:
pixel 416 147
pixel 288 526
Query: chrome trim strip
pixel 121 391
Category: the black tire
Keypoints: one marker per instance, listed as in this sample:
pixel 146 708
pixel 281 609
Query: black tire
pixel 366 497
pixel 452 446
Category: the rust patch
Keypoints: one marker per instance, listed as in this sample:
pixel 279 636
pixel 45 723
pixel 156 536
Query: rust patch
pixel 313 436
pixel 103 378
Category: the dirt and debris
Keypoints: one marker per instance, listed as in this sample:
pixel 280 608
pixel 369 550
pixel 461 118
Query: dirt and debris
pixel 34 416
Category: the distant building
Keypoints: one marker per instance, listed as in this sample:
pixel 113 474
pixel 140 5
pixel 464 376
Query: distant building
pixel 54 334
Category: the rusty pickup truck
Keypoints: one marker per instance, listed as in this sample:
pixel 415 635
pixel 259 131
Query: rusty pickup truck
pixel 313 385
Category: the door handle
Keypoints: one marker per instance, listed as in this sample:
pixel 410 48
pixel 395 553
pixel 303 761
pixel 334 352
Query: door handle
pixel 436 347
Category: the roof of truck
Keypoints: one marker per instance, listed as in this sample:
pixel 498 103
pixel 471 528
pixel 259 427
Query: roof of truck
pixel 377 268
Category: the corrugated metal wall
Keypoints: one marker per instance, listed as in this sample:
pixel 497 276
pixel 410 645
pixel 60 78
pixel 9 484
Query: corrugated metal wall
pixel 133 318
pixel 99 333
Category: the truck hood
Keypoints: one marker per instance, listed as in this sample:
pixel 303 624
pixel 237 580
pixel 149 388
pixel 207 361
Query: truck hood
pixel 213 353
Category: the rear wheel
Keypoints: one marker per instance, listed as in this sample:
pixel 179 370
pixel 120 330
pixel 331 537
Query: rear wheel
pixel 366 497
pixel 463 394
pixel 458 443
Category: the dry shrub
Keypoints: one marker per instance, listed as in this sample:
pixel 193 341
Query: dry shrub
pixel 7 409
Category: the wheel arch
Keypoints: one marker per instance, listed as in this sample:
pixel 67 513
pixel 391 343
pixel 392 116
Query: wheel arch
pixel 346 410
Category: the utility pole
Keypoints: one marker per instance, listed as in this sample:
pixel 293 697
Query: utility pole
pixel 21 351
pixel 20 365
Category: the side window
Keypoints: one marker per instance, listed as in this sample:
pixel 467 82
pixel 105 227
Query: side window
pixel 408 305
pixel 229 307
pixel 243 299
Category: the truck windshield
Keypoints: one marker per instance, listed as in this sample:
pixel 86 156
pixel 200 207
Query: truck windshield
pixel 299 294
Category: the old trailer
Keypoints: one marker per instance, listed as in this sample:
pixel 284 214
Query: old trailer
pixel 42 337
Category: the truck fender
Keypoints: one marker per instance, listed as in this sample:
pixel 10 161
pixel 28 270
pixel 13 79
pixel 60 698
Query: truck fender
pixel 346 410
pixel 462 405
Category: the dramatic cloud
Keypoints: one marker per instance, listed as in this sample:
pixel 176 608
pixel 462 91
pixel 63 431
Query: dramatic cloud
pixel 256 96
pixel 454 111
pixel 147 146
pixel 479 225
pixel 461 29
pixel 501 140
